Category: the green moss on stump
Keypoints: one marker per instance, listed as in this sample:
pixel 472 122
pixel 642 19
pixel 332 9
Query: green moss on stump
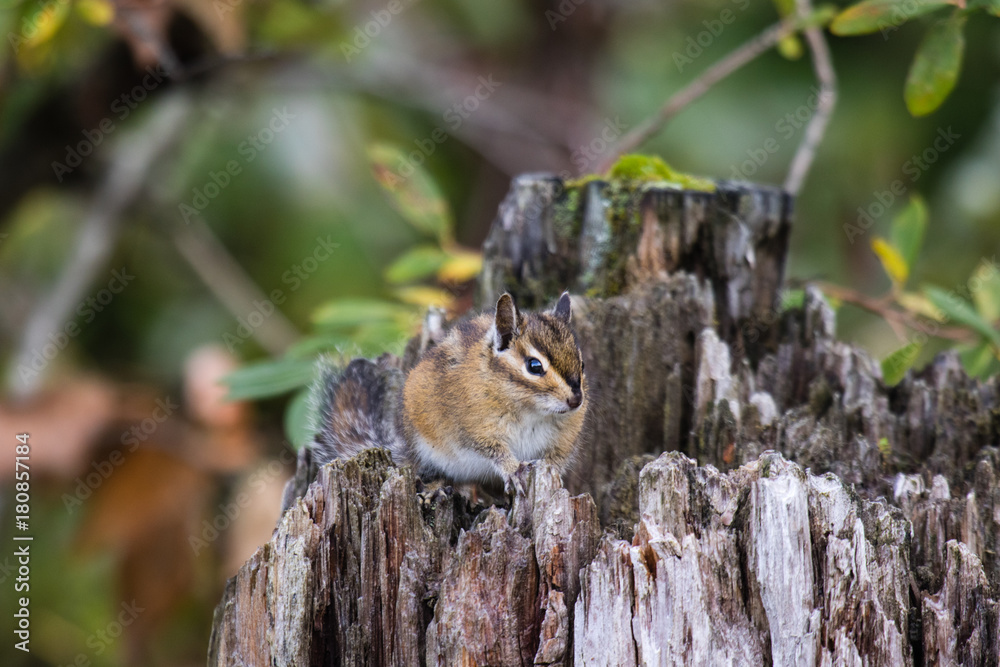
pixel 650 168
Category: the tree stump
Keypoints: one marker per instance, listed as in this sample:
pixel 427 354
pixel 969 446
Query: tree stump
pixel 749 491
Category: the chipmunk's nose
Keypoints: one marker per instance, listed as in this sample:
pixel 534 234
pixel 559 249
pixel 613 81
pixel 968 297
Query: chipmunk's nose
pixel 575 400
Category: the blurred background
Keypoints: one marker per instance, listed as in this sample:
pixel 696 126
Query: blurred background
pixel 191 187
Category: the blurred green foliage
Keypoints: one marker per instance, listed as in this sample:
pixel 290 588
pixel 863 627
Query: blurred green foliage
pixel 935 307
pixel 938 60
pixel 350 327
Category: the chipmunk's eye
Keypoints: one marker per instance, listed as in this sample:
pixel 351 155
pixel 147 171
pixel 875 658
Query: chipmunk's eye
pixel 534 366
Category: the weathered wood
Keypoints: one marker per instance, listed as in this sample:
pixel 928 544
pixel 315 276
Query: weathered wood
pixel 766 563
pixel 808 515
pixel 486 613
pixel 599 239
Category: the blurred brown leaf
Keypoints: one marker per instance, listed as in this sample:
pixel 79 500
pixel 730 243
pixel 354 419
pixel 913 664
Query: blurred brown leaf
pixel 63 422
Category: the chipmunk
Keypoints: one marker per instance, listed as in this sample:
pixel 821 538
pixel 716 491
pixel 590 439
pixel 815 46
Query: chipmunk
pixel 499 389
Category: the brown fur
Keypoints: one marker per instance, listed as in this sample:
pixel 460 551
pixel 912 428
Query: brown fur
pixel 471 399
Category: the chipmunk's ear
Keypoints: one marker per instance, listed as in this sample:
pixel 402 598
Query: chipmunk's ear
pixel 507 322
pixel 562 309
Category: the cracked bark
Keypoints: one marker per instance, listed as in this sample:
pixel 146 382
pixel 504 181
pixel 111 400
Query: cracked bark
pixel 773 530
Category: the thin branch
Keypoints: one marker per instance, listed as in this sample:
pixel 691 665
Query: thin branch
pixel 227 280
pixel 701 85
pixel 515 109
pixel 498 129
pixel 827 77
pixel 136 21
pixel 882 307
pixel 898 328
pixel 130 165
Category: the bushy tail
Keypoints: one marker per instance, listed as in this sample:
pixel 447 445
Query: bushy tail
pixel 355 409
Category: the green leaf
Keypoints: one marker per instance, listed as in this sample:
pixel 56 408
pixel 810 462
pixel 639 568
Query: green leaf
pixel 96 12
pixel 346 313
pixel 893 263
pixel 412 191
pixel 312 346
pixel 935 67
pixel 269 378
pixel 980 361
pixel 416 264
pixel 908 227
pixel 894 366
pixel 921 305
pixel 958 309
pixel 378 337
pixel 985 287
pixel 991 6
pixel 298 417
pixel 874 15
pixel 426 297
pixel 461 266
pixel 41 24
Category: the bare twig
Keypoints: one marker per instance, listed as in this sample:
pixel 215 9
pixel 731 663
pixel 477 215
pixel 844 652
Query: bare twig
pixel 882 306
pixel 499 129
pixel 714 74
pixel 816 128
pixel 231 285
pixel 131 163
pixel 136 21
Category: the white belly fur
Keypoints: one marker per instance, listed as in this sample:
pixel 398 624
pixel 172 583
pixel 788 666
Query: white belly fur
pixel 529 439
pixel 460 464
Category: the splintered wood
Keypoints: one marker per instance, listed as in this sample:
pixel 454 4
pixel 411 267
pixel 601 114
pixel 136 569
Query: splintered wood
pixel 764 563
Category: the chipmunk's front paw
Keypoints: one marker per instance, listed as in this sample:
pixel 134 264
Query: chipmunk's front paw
pixel 513 486
pixel 515 483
